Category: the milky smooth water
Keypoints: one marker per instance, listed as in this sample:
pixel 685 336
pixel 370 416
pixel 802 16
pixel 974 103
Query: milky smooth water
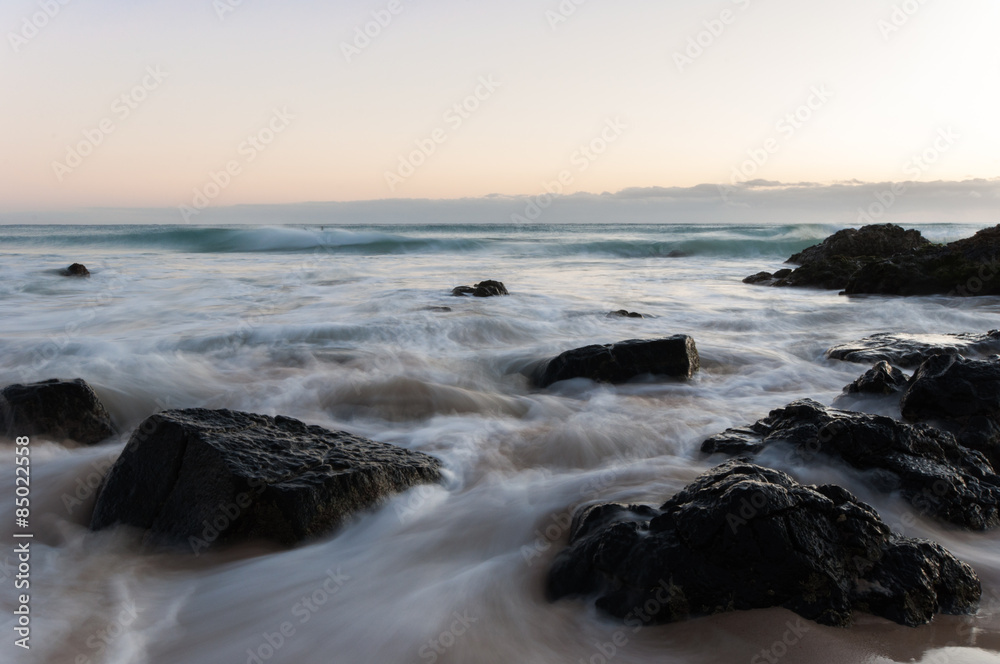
pixel 338 327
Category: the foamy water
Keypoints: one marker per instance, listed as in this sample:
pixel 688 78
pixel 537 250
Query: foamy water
pixel 335 326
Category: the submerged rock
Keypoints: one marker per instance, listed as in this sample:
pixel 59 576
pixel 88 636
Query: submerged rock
pixel 910 350
pixel 488 288
pixel 623 313
pixel 616 363
pixel 199 476
pixel 76 270
pixel 962 392
pixel 743 537
pixel 928 467
pixel 55 408
pixel 882 379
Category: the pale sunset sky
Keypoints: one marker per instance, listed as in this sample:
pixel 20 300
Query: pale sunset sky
pixel 110 103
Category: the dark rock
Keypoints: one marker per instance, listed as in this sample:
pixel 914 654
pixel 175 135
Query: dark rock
pixel 909 350
pixel 488 288
pixel 743 537
pixel 759 278
pixel 963 392
pixel 57 409
pixel 928 467
pixel 622 313
pixel 439 309
pixel 273 478
pixel 875 241
pixel 831 273
pixel 76 270
pixel 882 379
pixel 966 267
pixel 831 263
pixel 616 363
pixel 766 278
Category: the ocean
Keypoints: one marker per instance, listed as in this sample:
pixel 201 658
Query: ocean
pixel 344 327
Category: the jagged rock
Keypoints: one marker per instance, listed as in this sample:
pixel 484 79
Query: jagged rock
pixel 910 350
pixel 55 408
pixel 882 379
pixel 928 467
pixel 966 267
pixel 488 288
pixel 200 476
pixel 742 537
pixel 622 313
pixel 831 263
pixel 962 392
pixel 876 240
pixel 616 363
pixel 76 270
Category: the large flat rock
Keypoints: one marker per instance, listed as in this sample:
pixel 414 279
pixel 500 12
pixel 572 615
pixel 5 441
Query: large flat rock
pixel 910 350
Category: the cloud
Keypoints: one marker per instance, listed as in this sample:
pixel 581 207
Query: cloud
pixel 752 202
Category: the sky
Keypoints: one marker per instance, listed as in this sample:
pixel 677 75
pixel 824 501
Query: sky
pixel 201 105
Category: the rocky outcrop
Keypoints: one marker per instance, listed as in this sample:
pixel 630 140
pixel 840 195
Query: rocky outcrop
pixel 961 394
pixel 882 379
pixel 967 267
pixel 910 350
pixel 76 270
pixel 831 263
pixel 928 467
pixel 742 537
pixel 204 476
pixel 616 363
pixel 884 259
pixel 874 241
pixel 57 409
pixel 488 288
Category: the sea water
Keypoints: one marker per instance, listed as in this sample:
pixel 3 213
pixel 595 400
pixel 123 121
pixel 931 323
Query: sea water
pixel 344 327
